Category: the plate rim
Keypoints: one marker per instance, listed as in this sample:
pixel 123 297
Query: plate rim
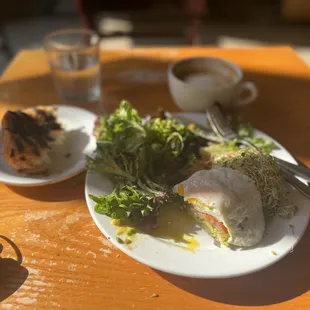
pixel 64 177
pixel 168 270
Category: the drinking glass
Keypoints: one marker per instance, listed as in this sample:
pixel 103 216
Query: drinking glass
pixel 74 60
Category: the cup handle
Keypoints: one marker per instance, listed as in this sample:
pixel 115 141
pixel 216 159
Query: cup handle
pixel 247 93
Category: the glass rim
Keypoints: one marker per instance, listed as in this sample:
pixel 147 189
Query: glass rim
pixel 58 33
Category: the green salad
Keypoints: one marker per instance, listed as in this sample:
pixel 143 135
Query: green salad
pixel 145 158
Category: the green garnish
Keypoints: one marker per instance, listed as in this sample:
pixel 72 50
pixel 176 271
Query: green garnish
pixel 144 159
pixel 131 231
pixel 119 240
pixel 264 171
pixel 246 131
pixel 128 202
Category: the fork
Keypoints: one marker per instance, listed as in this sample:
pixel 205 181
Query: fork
pixel 222 128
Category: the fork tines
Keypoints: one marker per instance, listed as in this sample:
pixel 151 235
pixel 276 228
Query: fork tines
pixel 218 121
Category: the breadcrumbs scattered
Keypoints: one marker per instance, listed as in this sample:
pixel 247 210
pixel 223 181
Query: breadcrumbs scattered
pixel 154 295
pixel 118 255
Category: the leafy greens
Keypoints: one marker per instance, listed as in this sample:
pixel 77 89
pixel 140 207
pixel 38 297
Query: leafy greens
pixel 144 159
pixel 247 131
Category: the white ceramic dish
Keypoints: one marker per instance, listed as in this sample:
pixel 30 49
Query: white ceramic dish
pixel 68 159
pixel 209 260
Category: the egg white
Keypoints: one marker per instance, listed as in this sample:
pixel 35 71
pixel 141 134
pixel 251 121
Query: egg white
pixel 232 198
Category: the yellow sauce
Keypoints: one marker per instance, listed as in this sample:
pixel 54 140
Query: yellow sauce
pixel 173 225
pixel 192 243
pixel 177 226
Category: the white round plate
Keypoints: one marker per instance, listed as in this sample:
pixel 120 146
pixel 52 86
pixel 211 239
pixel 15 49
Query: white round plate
pixel 68 159
pixel 209 260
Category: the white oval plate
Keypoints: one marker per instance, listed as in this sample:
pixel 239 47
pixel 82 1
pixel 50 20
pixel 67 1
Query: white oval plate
pixel 79 141
pixel 209 260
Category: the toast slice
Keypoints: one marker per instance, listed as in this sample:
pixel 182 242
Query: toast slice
pixel 28 136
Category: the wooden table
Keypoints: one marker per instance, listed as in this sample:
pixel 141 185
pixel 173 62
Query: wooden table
pixel 68 264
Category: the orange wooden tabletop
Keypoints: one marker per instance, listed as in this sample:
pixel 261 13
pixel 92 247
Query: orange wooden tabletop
pixel 66 263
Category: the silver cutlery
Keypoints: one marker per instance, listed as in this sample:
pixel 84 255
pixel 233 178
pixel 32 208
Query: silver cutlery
pixel 200 130
pixel 222 128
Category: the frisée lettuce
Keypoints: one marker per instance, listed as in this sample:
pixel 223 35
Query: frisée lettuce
pixel 144 159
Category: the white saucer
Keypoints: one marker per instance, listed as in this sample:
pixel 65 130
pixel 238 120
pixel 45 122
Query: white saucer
pixel 68 159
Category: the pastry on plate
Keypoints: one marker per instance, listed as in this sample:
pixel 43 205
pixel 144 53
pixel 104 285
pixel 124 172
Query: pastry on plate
pixel 28 136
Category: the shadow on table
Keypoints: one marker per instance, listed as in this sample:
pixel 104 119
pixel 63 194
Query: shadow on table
pixel 72 189
pixel 282 110
pixel 12 274
pixel 285 280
